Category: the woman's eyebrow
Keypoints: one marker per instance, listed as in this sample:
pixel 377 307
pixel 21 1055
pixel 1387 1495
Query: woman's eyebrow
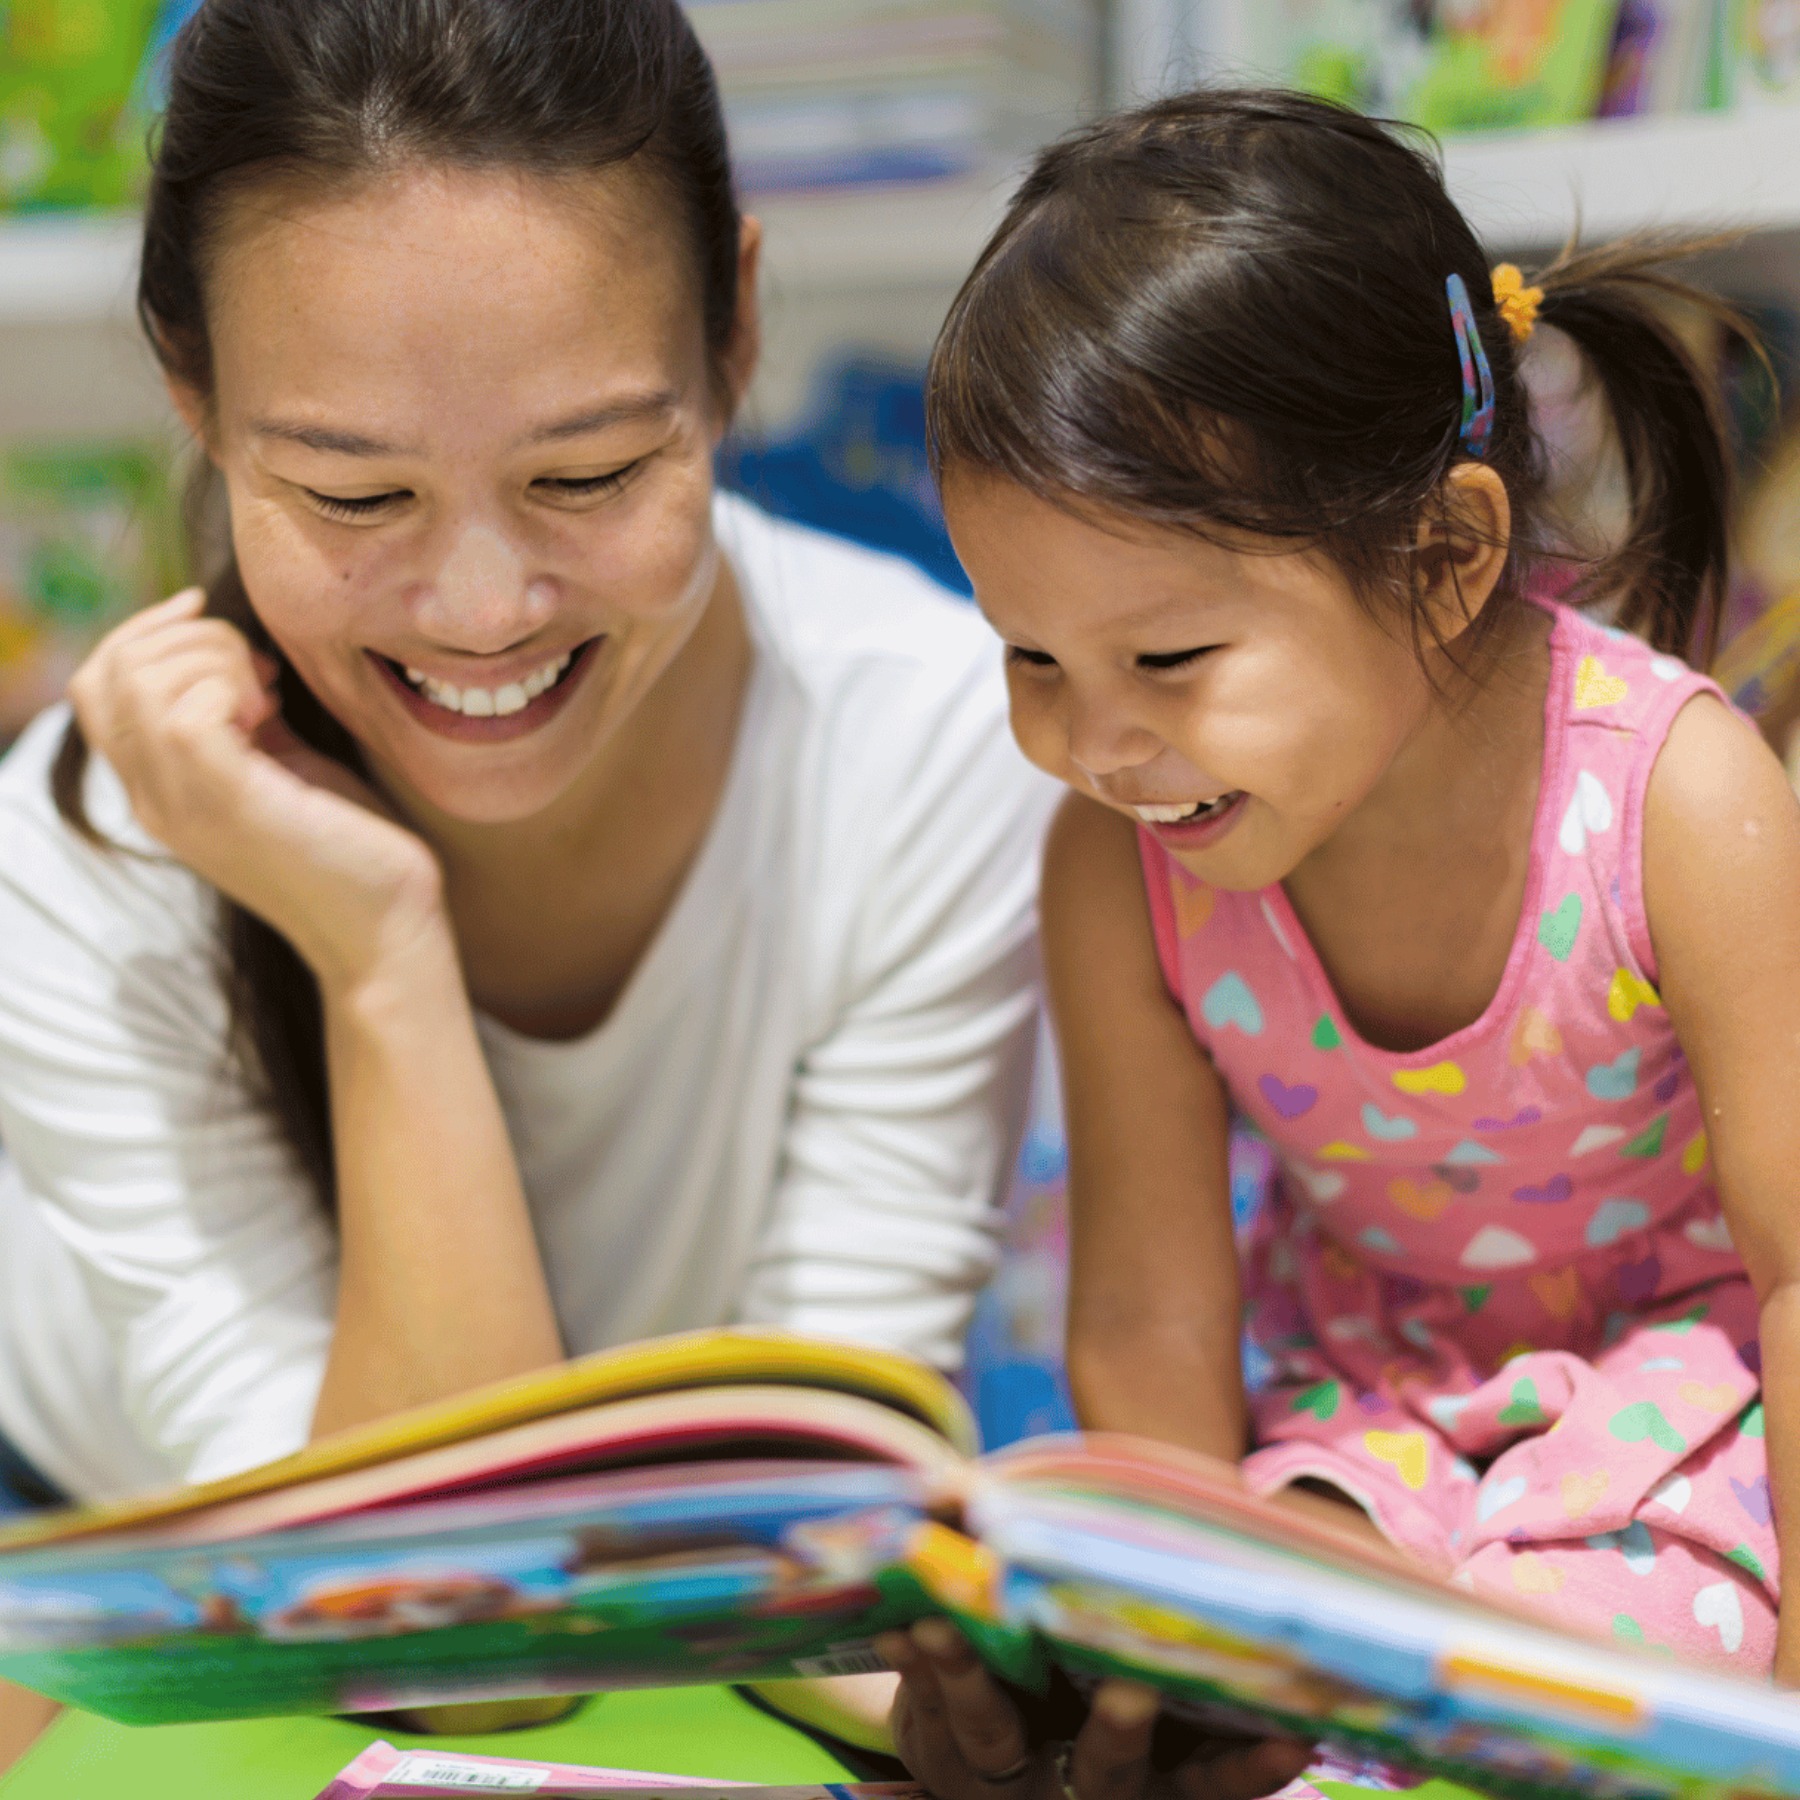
pixel 610 412
pixel 323 437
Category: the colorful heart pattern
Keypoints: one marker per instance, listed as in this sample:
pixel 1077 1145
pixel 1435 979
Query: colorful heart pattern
pixel 1229 1002
pixel 1288 1102
pixel 1408 1452
pixel 1559 927
pixel 1595 687
pixel 1590 814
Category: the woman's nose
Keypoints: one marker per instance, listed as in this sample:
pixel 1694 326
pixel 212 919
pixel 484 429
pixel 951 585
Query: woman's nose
pixel 481 597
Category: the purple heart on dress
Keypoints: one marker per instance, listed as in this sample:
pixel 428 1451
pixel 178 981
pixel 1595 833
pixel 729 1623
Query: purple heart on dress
pixel 1665 1089
pixel 1526 1115
pixel 1290 1102
pixel 1637 1281
pixel 1553 1193
pixel 1371 1404
pixel 1753 1497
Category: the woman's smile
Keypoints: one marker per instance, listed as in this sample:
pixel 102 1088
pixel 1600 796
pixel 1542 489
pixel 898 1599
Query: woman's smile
pixel 497 709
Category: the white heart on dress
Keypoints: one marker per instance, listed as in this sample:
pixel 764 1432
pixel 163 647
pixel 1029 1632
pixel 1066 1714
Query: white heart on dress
pixel 1590 809
pixel 1323 1184
pixel 1498 1496
pixel 1497 1247
pixel 1596 1137
pixel 1719 1607
pixel 1708 1234
pixel 1674 1492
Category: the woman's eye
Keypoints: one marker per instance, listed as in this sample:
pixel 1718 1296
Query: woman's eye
pixel 354 506
pixel 1174 659
pixel 584 487
pixel 1030 659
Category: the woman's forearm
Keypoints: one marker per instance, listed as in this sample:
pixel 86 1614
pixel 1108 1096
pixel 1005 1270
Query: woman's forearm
pixel 441 1286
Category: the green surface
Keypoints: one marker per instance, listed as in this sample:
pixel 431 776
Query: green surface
pixel 675 1731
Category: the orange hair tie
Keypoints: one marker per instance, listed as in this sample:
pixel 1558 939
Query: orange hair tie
pixel 1517 303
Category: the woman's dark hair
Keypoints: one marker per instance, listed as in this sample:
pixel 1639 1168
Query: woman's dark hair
pixel 331 91
pixel 1226 312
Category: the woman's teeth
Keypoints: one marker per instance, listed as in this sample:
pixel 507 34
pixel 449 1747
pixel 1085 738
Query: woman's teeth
pixel 1181 815
pixel 490 703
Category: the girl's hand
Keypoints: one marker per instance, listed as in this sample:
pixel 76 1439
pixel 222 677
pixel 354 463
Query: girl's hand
pixel 960 1736
pixel 185 712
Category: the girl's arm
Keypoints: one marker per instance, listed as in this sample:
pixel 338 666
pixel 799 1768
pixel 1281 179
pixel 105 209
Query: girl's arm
pixel 1153 1300
pixel 1722 891
pixel 440 1284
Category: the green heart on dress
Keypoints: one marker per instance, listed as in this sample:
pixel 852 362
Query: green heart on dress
pixel 1649 1141
pixel 1645 1419
pixel 1326 1035
pixel 1475 1298
pixel 1523 1407
pixel 1626 1627
pixel 1557 929
pixel 1682 1326
pixel 1746 1558
pixel 1321 1400
pixel 1751 1424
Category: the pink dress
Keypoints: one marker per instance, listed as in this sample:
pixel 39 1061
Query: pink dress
pixel 1493 1293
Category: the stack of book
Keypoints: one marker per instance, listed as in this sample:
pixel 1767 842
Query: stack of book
pixel 847 93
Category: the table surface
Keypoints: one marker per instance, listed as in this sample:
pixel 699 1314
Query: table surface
pixel 676 1731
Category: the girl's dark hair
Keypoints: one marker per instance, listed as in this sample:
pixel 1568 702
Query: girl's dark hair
pixel 331 91
pixel 1226 312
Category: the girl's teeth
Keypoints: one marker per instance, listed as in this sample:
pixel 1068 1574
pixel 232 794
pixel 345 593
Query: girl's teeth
pixel 1174 815
pixel 490 703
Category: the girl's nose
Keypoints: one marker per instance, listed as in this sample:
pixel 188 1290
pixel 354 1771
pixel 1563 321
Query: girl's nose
pixel 1104 741
pixel 481 597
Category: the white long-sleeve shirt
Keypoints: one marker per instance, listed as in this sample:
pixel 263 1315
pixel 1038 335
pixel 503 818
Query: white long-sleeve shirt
pixel 799 1112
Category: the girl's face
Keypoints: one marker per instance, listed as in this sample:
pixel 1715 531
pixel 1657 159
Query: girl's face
pixel 1242 705
pixel 466 421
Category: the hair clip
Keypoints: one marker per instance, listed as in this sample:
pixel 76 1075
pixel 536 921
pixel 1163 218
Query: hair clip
pixel 1517 304
pixel 1477 377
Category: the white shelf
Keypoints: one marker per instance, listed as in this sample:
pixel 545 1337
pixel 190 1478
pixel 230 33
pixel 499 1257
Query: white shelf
pixel 1706 171
pixel 881 237
pixel 65 268
pixel 1525 189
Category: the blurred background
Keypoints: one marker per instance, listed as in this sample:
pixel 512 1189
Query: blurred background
pixel 877 139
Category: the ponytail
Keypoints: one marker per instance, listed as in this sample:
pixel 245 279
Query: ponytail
pixel 1667 577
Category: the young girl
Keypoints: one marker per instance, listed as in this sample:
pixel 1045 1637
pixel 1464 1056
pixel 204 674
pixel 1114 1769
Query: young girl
pixel 1484 911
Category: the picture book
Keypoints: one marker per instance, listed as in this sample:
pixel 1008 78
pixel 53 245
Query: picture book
pixel 383 1773
pixel 745 1506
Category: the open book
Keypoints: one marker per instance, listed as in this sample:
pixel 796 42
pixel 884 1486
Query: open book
pixel 742 1506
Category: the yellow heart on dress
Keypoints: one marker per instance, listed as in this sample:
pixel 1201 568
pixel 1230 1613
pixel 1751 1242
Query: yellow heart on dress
pixel 1521 1348
pixel 1193 906
pixel 1342 1152
pixel 1406 1450
pixel 1595 687
pixel 1693 1154
pixel 1532 1575
pixel 1627 993
pixel 1721 1399
pixel 1557 1293
pixel 1440 1078
pixel 1534 1035
pixel 1582 1493
pixel 1418 1200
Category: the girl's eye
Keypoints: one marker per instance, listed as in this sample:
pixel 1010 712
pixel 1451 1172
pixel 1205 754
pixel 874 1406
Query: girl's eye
pixel 1031 659
pixel 584 487
pixel 1174 659
pixel 355 506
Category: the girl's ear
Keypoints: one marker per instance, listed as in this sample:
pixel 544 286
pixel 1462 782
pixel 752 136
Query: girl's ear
pixel 1461 548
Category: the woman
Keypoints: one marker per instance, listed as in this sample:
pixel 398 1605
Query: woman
pixel 528 901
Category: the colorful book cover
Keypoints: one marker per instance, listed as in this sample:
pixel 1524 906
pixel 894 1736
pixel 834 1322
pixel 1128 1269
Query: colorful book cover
pixel 749 1529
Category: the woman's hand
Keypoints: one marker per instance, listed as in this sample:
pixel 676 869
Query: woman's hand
pixel 185 712
pixel 960 1735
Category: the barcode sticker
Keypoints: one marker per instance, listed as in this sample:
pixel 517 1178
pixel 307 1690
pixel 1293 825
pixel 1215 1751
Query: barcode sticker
pixel 857 1657
pixel 431 1768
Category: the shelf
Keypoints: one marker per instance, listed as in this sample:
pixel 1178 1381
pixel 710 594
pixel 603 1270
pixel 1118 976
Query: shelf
pixel 1520 189
pixel 1701 172
pixel 66 268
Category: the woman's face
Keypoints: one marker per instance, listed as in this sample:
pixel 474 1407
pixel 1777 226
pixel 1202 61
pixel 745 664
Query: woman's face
pixel 466 420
